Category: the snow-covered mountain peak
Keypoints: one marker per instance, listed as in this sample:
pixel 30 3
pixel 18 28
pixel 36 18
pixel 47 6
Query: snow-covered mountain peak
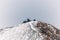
pixel 33 30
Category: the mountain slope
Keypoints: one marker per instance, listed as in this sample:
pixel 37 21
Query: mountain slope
pixel 34 30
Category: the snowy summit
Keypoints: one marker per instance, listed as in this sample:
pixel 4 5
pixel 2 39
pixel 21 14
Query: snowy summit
pixel 33 30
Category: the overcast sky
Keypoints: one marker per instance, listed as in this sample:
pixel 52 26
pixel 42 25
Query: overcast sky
pixel 13 12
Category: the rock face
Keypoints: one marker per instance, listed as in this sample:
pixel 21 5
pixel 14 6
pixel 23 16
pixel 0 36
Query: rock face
pixel 34 30
pixel 50 32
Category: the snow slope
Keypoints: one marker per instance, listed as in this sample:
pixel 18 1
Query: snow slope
pixel 20 32
pixel 33 30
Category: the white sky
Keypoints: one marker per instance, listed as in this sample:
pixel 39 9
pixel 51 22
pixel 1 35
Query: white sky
pixel 13 12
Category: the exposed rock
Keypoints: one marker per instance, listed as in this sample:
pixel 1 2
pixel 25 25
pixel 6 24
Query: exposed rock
pixel 49 31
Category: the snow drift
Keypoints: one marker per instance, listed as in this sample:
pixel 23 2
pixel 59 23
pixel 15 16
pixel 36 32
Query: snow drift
pixel 34 30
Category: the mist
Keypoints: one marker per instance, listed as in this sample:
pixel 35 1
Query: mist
pixel 13 12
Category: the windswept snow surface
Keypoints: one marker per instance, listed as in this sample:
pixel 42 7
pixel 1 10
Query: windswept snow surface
pixel 21 32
